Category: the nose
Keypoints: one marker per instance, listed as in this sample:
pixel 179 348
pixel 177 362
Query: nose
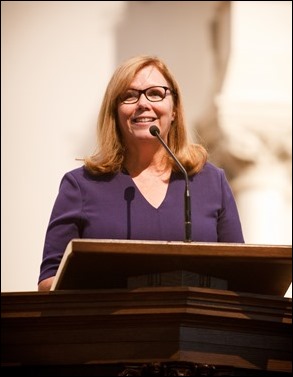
pixel 143 101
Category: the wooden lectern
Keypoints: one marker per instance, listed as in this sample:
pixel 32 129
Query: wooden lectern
pixel 93 324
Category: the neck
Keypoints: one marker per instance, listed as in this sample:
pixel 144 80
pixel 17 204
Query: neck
pixel 154 161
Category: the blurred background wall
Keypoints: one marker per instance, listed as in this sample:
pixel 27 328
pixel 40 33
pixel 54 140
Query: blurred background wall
pixel 233 61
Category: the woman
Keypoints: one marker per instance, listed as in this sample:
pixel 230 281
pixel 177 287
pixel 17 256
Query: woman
pixel 131 188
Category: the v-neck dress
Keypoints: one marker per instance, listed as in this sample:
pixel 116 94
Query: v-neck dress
pixel 111 206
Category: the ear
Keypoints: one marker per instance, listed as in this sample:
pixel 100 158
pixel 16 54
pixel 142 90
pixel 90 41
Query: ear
pixel 173 115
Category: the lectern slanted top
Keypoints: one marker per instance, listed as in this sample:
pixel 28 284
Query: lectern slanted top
pixel 109 263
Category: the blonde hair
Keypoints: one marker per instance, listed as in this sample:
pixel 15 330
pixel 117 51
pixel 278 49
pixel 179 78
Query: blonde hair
pixel 109 156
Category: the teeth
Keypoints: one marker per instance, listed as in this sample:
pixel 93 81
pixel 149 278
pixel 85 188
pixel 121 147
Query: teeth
pixel 143 119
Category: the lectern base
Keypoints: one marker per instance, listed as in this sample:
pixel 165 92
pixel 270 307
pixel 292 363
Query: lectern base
pixel 178 368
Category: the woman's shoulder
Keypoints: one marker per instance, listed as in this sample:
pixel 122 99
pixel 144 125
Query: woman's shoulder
pixel 77 173
pixel 210 168
pixel 210 175
pixel 83 174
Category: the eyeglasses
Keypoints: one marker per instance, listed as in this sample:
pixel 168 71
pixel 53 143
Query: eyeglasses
pixel 153 94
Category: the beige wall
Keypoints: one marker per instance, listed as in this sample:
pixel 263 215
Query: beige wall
pixel 57 58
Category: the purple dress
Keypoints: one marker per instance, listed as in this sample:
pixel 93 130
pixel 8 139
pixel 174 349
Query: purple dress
pixel 111 207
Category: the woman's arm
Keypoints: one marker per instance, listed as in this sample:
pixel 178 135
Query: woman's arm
pixel 45 285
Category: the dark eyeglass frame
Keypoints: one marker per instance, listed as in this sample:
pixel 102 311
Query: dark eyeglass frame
pixel 140 92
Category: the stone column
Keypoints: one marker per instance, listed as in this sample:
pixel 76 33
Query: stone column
pixel 253 109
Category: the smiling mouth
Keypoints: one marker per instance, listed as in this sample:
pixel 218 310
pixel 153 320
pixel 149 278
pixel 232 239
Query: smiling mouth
pixel 143 120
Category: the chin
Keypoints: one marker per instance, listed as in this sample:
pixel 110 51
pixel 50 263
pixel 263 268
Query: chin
pixel 141 131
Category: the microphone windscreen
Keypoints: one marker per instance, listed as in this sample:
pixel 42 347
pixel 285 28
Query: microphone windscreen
pixel 154 130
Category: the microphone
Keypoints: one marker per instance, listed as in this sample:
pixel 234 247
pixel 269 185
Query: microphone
pixel 155 131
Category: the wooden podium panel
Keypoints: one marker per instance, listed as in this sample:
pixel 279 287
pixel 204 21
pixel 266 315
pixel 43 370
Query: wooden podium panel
pixel 106 332
pixel 103 264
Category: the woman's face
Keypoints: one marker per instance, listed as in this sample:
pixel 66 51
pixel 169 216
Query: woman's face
pixel 135 119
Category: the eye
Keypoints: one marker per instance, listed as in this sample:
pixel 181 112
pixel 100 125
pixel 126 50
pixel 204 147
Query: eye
pixel 129 96
pixel 155 93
